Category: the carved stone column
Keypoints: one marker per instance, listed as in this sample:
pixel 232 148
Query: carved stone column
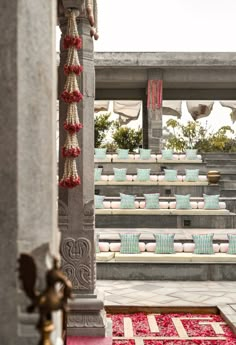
pixel 76 206
pixel 154 117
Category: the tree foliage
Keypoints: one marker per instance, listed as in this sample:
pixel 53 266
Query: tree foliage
pixel 127 138
pixel 102 124
pixel 193 135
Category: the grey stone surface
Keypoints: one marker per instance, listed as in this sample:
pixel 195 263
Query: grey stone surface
pixel 27 150
pixel 166 59
pixel 164 271
pixel 166 221
pixel 195 191
pixel 185 75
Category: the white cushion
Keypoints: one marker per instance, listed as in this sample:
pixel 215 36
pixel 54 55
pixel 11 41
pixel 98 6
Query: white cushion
pixel 151 159
pixel 104 246
pixel 116 204
pixel 201 178
pixel 172 205
pixel 224 247
pixel 104 256
pixel 106 204
pixel 115 247
pixel 174 158
pixel 222 205
pixel 183 156
pixel 112 178
pixel 189 247
pixel 130 159
pixel 151 247
pixel 162 204
pixel 104 177
pixel 107 159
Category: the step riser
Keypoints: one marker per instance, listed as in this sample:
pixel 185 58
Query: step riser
pixel 166 271
pixel 165 221
pixel 195 191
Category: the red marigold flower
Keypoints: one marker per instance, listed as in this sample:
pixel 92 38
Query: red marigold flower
pixel 70 182
pixel 71 41
pixel 71 152
pixel 72 128
pixel 77 69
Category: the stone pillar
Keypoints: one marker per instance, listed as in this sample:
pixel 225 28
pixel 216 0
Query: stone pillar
pixel 27 152
pixel 154 118
pixel 76 206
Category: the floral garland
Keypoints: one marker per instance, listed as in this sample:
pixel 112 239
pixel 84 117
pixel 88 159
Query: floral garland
pixel 71 95
pixel 154 94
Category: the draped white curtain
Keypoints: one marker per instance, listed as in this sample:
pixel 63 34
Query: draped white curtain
pixel 232 106
pixel 127 110
pixel 199 109
pixel 101 106
pixel 173 108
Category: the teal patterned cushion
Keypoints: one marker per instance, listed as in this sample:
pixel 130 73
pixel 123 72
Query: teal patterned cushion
pixel 100 153
pixel 232 244
pixel 97 244
pixel 127 201
pixel 191 175
pixel 99 201
pixel 183 202
pixel 170 175
pixel 143 174
pixel 123 154
pixel 145 153
pixel 211 202
pixel 164 243
pixel 120 174
pixel 203 244
pixel 129 243
pixel 152 200
pixel 97 174
pixel 191 154
pixel 167 154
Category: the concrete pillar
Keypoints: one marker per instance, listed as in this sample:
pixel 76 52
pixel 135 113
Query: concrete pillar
pixel 154 118
pixel 27 152
pixel 76 206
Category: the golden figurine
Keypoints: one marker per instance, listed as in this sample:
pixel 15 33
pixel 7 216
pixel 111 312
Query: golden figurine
pixel 50 299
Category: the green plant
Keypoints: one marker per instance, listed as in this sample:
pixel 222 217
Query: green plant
pixel 193 135
pixel 111 146
pixel 183 136
pixel 127 138
pixel 102 124
pixel 218 141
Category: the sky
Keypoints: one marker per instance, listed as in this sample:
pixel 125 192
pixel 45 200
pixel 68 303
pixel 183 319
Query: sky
pixel 169 25
pixel 166 25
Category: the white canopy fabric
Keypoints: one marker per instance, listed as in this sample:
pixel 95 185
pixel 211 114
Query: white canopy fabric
pixel 101 106
pixel 128 110
pixel 232 106
pixel 172 108
pixel 199 109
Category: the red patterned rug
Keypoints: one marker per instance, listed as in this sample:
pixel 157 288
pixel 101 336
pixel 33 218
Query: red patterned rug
pixel 170 329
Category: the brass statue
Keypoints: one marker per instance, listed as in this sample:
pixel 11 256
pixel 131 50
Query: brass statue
pixel 50 299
